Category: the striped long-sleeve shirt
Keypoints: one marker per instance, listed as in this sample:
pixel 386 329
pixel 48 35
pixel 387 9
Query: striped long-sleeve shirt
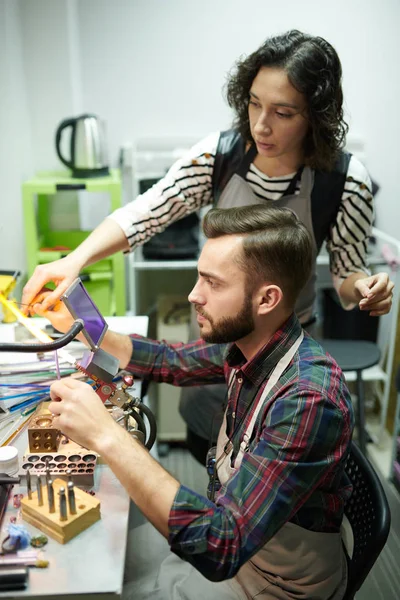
pixel 294 468
pixel 187 187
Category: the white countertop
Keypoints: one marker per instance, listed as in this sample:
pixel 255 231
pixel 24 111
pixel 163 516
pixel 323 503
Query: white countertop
pixel 92 563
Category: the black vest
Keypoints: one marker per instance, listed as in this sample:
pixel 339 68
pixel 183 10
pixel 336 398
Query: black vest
pixel 326 194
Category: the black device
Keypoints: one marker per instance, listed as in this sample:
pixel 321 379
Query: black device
pixel 81 306
pixel 95 361
pixel 5 489
pixel 13 577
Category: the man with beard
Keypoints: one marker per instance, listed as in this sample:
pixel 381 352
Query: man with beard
pixel 270 524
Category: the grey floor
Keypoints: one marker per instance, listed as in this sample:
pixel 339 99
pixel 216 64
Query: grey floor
pixel 383 582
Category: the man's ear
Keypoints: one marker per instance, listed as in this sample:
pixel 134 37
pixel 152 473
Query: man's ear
pixel 268 298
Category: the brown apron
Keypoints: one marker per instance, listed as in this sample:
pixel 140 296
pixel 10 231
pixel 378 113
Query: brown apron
pixel 296 563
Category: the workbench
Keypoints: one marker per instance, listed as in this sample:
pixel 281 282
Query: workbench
pixel 92 563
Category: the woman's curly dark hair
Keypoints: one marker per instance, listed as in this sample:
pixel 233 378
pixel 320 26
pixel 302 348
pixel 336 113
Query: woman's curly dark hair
pixel 313 68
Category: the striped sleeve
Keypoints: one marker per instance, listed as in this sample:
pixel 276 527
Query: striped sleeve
pixel 185 188
pixel 348 237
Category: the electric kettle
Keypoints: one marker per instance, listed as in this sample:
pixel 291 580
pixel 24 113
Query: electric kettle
pixel 87 146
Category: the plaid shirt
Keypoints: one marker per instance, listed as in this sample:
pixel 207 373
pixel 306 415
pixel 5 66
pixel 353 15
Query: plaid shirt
pixel 294 469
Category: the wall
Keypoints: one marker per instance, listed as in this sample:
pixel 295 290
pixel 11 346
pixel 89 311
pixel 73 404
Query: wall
pixel 156 68
pixel 53 79
pixel 38 82
pixel 15 142
pixel 163 64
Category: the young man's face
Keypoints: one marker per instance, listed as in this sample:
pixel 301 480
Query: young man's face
pixel 221 296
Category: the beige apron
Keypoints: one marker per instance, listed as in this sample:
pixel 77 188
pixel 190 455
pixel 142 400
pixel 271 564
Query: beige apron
pixel 238 193
pixel 296 563
pixel 201 407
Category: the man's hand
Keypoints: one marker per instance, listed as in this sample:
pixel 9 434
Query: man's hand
pixel 61 272
pixel 376 292
pixel 80 414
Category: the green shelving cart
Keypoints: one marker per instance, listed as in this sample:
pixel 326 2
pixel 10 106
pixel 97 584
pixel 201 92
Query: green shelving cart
pixel 104 280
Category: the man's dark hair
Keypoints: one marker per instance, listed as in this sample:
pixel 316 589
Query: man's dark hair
pixel 277 247
pixel 313 68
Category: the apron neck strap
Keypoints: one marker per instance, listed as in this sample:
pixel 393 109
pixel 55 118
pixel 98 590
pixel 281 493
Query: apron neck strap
pixel 249 157
pixel 292 185
pixel 246 161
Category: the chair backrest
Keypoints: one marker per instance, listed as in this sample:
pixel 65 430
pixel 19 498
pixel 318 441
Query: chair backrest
pixel 369 516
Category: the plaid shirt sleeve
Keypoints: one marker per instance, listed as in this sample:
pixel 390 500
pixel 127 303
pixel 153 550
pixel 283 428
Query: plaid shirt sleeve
pixel 301 446
pixel 195 363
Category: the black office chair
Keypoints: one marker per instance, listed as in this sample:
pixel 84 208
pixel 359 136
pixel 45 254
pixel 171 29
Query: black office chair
pixel 355 355
pixel 369 516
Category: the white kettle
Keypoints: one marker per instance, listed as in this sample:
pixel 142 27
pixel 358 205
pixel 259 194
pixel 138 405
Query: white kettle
pixel 88 155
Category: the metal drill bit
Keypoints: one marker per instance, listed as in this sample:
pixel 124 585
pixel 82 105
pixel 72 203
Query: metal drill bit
pixel 48 480
pixel 39 490
pixel 69 473
pixel 50 496
pixel 71 498
pixel 48 474
pixel 63 504
pixel 29 484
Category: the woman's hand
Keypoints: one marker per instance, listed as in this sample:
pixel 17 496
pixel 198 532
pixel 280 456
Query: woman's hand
pixel 61 272
pixel 59 316
pixel 376 292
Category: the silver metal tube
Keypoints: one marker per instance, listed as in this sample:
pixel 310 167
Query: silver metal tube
pixel 71 499
pixel 29 484
pixel 39 491
pixel 50 495
pixel 69 473
pixel 63 504
pixel 48 474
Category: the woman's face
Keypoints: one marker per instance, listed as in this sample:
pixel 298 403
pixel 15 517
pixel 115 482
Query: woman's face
pixel 277 115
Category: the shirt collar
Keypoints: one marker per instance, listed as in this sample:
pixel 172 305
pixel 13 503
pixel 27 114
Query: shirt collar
pixel 262 364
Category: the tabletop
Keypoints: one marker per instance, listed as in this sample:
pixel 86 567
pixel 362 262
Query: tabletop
pixel 93 561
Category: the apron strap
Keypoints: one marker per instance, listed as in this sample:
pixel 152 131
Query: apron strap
pixel 231 376
pixel 249 157
pixel 291 189
pixel 246 161
pixel 274 378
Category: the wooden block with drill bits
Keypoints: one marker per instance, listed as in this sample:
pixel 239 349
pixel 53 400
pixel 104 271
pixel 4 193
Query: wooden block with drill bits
pixel 47 450
pixel 58 508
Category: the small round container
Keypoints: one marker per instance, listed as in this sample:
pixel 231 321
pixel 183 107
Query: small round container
pixel 9 460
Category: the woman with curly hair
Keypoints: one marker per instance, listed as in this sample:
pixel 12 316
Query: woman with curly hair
pixel 310 69
pixel 285 148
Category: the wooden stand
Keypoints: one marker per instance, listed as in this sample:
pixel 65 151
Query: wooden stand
pixel 87 507
pixel 82 465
